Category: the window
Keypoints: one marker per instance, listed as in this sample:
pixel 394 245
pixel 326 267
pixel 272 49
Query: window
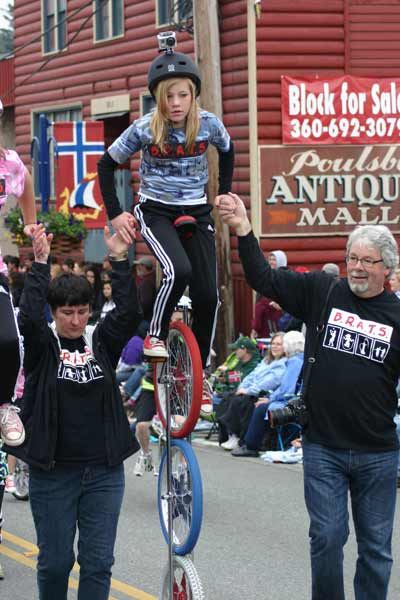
pixel 64 114
pixel 108 19
pixel 54 25
pixel 173 11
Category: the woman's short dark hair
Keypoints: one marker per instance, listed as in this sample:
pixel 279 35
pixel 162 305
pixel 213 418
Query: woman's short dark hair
pixel 69 289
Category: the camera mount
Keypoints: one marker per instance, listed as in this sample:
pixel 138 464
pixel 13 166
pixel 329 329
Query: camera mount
pixel 166 41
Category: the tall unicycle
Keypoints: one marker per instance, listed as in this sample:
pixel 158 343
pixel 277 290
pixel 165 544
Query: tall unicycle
pixel 178 391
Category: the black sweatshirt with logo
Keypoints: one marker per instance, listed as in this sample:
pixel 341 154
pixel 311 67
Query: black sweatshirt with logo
pixel 351 397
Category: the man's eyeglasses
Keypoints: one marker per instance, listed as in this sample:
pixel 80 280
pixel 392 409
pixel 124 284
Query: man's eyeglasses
pixel 367 263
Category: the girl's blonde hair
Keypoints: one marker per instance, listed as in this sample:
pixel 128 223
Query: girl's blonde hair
pixel 159 121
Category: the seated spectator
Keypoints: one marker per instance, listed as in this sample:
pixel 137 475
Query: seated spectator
pixel 234 412
pixel 293 345
pixel 109 303
pixel 267 312
pixel 247 356
pixel 132 354
pixel 131 368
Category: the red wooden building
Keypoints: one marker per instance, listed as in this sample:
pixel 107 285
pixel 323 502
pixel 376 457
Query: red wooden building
pixel 89 60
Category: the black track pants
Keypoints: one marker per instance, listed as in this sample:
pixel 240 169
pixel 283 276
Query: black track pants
pixel 184 261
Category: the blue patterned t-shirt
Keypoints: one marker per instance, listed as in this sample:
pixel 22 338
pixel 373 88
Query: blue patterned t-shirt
pixel 175 177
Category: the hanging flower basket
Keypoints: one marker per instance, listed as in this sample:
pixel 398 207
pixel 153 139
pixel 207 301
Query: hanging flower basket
pixel 68 232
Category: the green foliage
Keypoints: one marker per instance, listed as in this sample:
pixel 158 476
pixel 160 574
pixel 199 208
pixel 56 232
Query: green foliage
pixel 55 222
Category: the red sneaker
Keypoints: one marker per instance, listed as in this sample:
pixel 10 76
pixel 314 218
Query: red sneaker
pixel 154 347
pixel 12 431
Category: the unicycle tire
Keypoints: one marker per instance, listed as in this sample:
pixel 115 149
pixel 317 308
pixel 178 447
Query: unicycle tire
pixel 186 583
pixel 187 497
pixel 184 372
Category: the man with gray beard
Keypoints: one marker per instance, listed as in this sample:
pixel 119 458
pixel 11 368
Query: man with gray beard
pixel 349 444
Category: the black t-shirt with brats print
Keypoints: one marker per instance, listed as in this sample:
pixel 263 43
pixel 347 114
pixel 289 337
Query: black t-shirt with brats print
pixel 80 385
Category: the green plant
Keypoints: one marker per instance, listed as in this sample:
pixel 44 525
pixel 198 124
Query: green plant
pixel 55 222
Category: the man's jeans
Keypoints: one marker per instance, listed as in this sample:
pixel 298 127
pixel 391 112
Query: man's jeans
pixel 329 475
pixel 397 421
pixel 61 499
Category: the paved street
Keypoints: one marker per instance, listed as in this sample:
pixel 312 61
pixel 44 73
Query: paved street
pixel 253 543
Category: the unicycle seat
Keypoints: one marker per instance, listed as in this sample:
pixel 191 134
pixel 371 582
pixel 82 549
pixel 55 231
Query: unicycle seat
pixel 185 225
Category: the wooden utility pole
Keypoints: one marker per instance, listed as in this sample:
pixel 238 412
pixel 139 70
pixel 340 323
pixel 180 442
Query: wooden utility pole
pixel 206 36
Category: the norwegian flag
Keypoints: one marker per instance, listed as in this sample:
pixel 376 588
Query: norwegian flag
pixel 80 144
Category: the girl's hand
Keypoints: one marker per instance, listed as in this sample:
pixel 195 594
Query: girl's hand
pixel 233 212
pixel 41 244
pixel 30 229
pixel 116 245
pixel 125 226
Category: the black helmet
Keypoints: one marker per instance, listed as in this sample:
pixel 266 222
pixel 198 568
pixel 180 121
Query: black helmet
pixel 171 65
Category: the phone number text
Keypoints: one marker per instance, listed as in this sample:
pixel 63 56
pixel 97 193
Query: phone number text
pixel 342 127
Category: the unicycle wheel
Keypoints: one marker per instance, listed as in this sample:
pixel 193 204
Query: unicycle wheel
pixel 186 497
pixel 179 381
pixel 186 581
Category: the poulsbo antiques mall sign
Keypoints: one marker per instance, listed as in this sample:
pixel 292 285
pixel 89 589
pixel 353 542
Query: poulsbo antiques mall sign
pixel 328 190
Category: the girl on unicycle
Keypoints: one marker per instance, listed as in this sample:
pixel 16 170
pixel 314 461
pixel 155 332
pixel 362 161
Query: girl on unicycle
pixel 173 172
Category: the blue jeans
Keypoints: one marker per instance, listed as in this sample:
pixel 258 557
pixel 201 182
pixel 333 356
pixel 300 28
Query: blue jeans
pixel 61 500
pixel 370 477
pixel 397 421
pixel 132 384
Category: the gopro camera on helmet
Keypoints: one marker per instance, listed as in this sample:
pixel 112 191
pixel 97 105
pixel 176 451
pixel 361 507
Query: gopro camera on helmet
pixel 166 41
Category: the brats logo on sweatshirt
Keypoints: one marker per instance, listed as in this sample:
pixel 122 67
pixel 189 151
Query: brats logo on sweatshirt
pixel 347 332
pixel 80 367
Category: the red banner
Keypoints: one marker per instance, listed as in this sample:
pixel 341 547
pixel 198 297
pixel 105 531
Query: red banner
pixel 80 144
pixel 342 110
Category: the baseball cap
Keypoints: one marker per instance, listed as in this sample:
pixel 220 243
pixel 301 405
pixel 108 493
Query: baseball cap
pixel 146 261
pixel 243 342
